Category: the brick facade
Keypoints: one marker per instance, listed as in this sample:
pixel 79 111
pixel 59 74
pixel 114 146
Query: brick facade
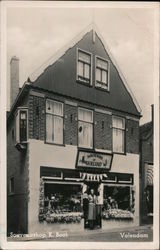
pixel 18 168
pixel 102 123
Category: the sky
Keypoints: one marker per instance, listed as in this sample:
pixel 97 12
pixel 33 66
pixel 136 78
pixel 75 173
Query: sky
pixel 35 34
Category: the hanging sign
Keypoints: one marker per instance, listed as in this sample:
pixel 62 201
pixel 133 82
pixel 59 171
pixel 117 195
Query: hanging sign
pixel 94 160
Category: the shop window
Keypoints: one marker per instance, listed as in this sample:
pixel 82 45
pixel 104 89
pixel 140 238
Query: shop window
pixel 54 122
pixel 84 67
pixel 11 188
pixel 102 73
pixel 85 128
pixel 62 203
pixel 117 203
pixel 118 134
pixel 21 125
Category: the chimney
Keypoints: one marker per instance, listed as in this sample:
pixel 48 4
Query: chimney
pixel 14 79
pixel 152 113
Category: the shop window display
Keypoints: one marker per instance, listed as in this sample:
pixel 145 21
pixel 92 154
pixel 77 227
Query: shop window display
pixel 62 203
pixel 117 203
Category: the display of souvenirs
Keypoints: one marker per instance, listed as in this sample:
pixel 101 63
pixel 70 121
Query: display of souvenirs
pixel 71 217
pixel 117 214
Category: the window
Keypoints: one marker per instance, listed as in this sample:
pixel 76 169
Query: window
pixel 118 125
pixel 102 73
pixel 11 188
pixel 54 122
pixel 85 128
pixel 21 125
pixel 84 67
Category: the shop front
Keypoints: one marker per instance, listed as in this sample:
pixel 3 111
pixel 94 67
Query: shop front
pixel 66 195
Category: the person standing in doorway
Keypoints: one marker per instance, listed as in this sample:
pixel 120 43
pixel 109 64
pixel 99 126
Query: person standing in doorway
pixel 99 211
pixel 92 209
pixel 85 208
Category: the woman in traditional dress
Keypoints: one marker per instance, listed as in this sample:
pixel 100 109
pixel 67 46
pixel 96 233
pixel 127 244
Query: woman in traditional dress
pixel 92 209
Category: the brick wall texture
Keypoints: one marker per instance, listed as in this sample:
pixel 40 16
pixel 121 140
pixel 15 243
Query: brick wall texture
pixel 102 124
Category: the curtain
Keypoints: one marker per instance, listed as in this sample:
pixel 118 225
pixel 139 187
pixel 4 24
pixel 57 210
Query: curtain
pixel 118 140
pixel 80 68
pixel 58 129
pixel 118 122
pixel 49 128
pixel 86 71
pixel 85 135
pixel 98 75
pixel 53 107
pixel 85 115
pixel 102 64
pixel 84 57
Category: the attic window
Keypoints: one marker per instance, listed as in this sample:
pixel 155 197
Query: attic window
pixel 102 73
pixel 84 67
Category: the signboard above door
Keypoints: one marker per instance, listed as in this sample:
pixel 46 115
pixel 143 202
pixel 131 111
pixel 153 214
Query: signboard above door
pixel 94 160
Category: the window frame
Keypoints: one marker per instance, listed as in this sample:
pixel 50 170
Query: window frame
pixel 107 88
pixel 10 185
pixel 89 84
pixel 17 113
pixel 79 120
pixel 121 129
pixel 62 116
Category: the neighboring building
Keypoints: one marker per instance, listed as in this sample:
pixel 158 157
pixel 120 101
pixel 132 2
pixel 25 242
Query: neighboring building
pixel 146 170
pixel 73 126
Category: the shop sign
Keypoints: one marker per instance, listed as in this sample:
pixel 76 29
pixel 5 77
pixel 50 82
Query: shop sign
pixel 94 160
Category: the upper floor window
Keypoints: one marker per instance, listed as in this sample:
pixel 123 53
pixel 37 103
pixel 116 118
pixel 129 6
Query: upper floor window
pixel 22 125
pixel 85 128
pixel 102 73
pixel 118 134
pixel 84 67
pixel 54 121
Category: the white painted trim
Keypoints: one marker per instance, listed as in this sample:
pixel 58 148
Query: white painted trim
pixel 103 111
pixel 117 185
pixel 76 39
pixel 74 179
pixel 132 118
pixel 63 182
pixel 103 150
pixel 71 103
pixel 108 70
pixel 53 178
pixel 115 180
pixel 34 93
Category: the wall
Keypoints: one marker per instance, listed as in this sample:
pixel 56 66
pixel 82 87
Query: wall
pixel 17 203
pixel 17 167
pixel 42 154
pixel 102 135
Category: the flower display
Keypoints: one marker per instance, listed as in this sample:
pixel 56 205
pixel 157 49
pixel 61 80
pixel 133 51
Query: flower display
pixel 74 217
pixel 117 214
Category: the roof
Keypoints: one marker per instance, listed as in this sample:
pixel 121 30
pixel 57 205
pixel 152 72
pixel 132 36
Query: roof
pixel 146 130
pixel 39 72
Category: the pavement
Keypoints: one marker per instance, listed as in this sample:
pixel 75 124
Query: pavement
pixel 132 234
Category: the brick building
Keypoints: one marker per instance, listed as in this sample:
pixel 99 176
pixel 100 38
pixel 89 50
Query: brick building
pixel 73 126
pixel 146 170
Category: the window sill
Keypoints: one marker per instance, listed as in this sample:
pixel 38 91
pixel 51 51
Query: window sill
pixel 53 143
pixel 85 83
pixel 85 148
pixel 102 89
pixel 119 153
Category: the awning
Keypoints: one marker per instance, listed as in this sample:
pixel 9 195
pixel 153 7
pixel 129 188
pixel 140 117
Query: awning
pixel 149 175
pixel 92 177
